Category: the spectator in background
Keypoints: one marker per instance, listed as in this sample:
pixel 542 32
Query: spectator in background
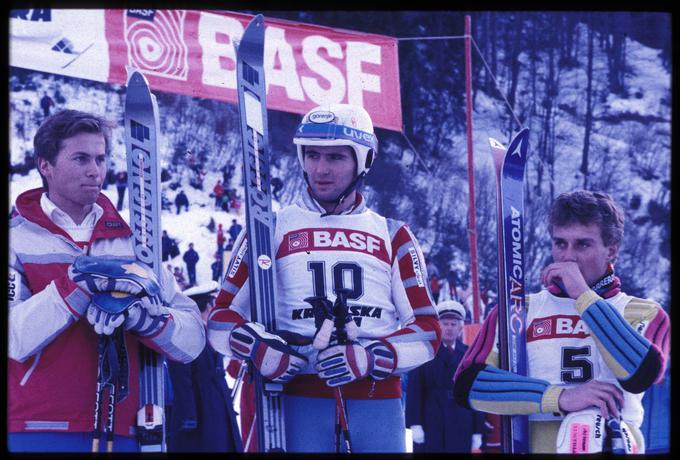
pixel 227 172
pixel 179 277
pixel 452 280
pixel 200 178
pixel 202 418
pixel 235 204
pixel 165 175
pixel 432 269
pixel 218 192
pixel 216 267
pixel 435 287
pixel 46 104
pixel 230 245
pixel 121 185
pixel 166 244
pixel 220 239
pixel 191 259
pixel 181 200
pixel 110 177
pixel 225 202
pixel 277 185
pixel 192 161
pixel 234 230
pixel 437 422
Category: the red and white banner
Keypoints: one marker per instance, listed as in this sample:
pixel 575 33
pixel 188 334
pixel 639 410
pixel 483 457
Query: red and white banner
pixel 192 52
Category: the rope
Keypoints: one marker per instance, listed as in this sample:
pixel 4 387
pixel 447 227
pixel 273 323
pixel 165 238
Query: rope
pixel 481 56
pixel 443 37
pixel 486 65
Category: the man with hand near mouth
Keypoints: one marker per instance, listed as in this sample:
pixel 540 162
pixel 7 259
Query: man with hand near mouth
pixel 592 349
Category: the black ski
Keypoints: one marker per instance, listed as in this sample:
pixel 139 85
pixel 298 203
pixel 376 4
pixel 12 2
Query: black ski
pixel 510 166
pixel 144 195
pixel 271 436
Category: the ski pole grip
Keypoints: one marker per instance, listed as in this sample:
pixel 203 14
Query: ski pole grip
pixel 340 313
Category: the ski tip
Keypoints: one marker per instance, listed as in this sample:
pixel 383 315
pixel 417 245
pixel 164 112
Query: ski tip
pixel 523 134
pixel 136 78
pixel 257 21
pixel 495 144
pixel 255 29
pixel 520 143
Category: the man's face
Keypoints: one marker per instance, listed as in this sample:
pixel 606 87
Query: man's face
pixel 451 329
pixel 583 244
pixel 75 179
pixel 330 170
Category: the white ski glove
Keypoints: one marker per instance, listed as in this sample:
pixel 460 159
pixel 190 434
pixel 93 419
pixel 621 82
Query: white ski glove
pixel 341 364
pixel 417 434
pixel 270 354
pixel 146 316
pixel 110 310
pixel 104 323
pixel 581 432
pixel 476 444
pixel 587 432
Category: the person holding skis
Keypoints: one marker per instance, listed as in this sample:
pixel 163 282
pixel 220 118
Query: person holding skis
pixel 327 242
pixel 592 349
pixel 68 248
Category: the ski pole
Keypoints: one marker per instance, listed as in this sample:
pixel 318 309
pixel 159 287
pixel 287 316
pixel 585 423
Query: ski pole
pixel 250 434
pixel 341 419
pixel 111 414
pixel 96 433
pixel 239 379
pixel 341 422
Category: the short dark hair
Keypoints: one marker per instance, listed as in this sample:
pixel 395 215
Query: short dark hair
pixel 586 207
pixel 63 125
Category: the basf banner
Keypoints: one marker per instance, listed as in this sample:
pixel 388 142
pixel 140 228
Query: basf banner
pixel 192 52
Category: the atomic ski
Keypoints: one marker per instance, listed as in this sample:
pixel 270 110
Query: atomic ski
pixel 510 165
pixel 141 142
pixel 271 436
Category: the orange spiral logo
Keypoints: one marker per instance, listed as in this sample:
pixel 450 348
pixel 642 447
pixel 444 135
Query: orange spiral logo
pixel 155 41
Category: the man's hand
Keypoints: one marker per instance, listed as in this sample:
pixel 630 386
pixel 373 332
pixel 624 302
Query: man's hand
pixel 104 323
pixel 270 354
pixel 102 274
pixel 567 276
pixel 417 434
pixel 110 310
pixel 605 396
pixel 341 364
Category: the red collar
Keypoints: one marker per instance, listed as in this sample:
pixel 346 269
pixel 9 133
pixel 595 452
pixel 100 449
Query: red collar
pixel 109 225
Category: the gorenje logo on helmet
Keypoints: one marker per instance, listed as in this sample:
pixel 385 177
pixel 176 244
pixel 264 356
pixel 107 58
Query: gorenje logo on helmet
pixel 321 117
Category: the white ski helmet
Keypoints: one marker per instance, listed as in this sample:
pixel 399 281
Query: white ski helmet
pixel 339 124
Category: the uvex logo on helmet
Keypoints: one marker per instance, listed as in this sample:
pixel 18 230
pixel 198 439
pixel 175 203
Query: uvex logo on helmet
pixel 322 116
pixel 358 135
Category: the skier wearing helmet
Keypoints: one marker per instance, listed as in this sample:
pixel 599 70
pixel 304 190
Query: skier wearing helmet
pixel 329 242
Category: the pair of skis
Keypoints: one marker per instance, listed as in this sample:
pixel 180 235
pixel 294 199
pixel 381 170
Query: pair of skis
pixel 141 131
pixel 510 164
pixel 144 198
pixel 251 89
